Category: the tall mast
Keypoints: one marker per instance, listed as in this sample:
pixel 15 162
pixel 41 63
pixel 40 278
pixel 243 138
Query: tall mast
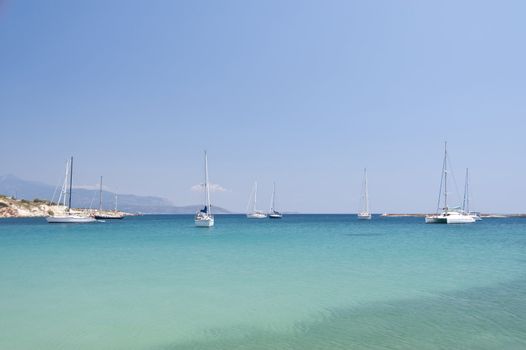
pixel 445 175
pixel 64 190
pixel 366 195
pixel 70 181
pixel 465 204
pixel 273 207
pixel 207 187
pixel 100 194
pixel 467 190
pixel 255 194
pixel 115 201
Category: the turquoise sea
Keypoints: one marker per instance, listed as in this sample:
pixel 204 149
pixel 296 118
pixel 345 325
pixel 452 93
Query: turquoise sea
pixel 305 282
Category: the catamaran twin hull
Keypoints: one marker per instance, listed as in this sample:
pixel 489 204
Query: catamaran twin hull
pixel 450 219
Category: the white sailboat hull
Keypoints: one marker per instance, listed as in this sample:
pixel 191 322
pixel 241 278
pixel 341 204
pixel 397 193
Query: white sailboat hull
pixel 436 219
pixel 206 222
pixel 450 218
pixel 69 219
pixel 256 215
pixel 204 218
pixel 364 216
pixel 252 212
pixel 460 219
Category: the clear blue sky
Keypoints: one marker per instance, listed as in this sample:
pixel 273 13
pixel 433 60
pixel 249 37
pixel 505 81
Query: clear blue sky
pixel 306 93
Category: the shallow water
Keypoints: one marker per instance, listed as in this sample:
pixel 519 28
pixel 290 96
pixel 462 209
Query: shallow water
pixel 304 282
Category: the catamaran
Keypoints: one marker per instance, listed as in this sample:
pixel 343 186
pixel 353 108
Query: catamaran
pixel 68 216
pixel 449 215
pixel 105 215
pixel 204 217
pixel 365 214
pixel 252 212
pixel 273 213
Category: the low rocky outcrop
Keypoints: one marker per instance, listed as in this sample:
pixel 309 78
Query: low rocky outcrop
pixel 22 208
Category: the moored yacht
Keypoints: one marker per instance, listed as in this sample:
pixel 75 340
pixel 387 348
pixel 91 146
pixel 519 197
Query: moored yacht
pixel 68 216
pixel 454 215
pixel 252 212
pixel 273 213
pixel 204 217
pixel 107 215
pixel 450 216
pixel 365 214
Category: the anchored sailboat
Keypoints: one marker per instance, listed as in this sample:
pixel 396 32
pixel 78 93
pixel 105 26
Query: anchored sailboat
pixel 365 214
pixel 66 192
pixel 204 217
pixel 106 215
pixel 454 215
pixel 252 212
pixel 273 213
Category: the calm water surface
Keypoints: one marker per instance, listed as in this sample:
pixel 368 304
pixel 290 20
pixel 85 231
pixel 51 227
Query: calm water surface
pixel 305 282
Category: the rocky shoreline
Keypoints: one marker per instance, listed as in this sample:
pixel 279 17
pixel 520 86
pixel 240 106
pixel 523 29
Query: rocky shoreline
pixel 21 208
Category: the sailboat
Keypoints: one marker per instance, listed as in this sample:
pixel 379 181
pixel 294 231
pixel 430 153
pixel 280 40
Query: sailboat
pixel 204 217
pixel 453 215
pixel 364 214
pixel 68 216
pixel 105 215
pixel 273 213
pixel 465 203
pixel 252 212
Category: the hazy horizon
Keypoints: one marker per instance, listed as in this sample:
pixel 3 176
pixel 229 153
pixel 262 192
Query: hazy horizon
pixel 305 94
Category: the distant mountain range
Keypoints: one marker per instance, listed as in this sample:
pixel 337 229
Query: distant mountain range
pixel 11 185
